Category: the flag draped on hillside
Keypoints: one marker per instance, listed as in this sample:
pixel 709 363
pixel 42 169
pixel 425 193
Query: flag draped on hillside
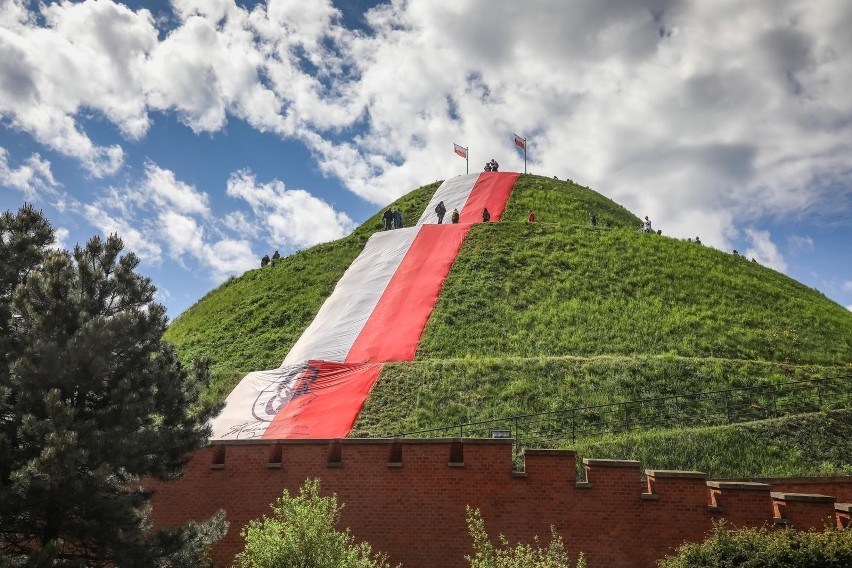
pixel 460 150
pixel 376 313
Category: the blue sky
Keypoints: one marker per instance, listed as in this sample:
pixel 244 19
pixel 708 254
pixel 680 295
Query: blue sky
pixel 209 132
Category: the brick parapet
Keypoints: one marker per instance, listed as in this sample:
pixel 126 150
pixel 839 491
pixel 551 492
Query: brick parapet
pixel 408 497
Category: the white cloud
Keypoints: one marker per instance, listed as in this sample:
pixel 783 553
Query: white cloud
pixel 706 116
pixel 293 216
pixel 228 257
pixel 167 192
pixel 61 234
pixel 223 258
pixel 849 308
pixel 764 250
pixel 847 286
pixel 135 240
pixel 798 244
pixel 30 178
pixel 182 234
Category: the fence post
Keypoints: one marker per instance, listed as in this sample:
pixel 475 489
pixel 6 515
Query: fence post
pixel 727 409
pixel 573 427
pixel 517 435
pixel 774 402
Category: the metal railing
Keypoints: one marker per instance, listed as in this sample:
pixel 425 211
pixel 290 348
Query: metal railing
pixel 710 408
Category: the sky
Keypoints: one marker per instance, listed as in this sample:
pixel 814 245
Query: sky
pixel 207 133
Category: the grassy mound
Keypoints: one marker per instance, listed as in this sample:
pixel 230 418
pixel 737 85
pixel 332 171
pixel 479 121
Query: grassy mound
pixel 557 314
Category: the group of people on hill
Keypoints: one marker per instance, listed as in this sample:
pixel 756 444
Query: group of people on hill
pixel 392 218
pixel 491 166
pixel 265 260
pixel 441 210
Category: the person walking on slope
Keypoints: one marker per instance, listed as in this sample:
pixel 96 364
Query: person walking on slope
pixel 397 218
pixel 264 261
pixel 275 255
pixel 531 217
pixel 486 216
pixel 646 225
pixel 593 219
pixel 388 217
pixel 441 210
pixel 455 216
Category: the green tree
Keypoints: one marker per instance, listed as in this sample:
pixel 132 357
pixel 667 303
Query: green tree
pixel 763 548
pixel 301 533
pixel 91 401
pixel 523 555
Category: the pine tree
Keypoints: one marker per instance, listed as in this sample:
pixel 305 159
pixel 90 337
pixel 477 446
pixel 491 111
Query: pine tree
pixel 92 400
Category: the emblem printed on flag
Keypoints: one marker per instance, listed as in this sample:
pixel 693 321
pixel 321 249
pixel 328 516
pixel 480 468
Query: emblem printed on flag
pixel 461 151
pixel 520 142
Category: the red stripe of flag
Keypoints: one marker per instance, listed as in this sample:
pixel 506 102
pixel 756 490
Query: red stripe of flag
pixel 520 142
pixel 461 151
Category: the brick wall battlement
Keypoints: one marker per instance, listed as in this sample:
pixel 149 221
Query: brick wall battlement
pixel 408 497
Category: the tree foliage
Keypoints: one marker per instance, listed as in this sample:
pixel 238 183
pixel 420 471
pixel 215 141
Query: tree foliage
pixel 763 548
pixel 301 533
pixel 91 400
pixel 522 555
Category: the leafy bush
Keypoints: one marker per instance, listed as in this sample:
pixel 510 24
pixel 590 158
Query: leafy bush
pixel 301 534
pixel 521 556
pixel 762 548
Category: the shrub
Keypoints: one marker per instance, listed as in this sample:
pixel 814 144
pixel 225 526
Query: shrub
pixel 521 556
pixel 301 534
pixel 762 548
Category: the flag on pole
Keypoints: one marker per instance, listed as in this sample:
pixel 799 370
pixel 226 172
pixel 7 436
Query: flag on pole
pixel 460 150
pixel 520 142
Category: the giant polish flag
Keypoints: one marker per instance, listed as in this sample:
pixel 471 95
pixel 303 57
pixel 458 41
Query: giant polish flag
pixel 376 313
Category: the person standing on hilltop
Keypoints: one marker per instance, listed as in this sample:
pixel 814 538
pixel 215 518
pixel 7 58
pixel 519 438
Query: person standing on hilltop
pixel 388 217
pixel 646 225
pixel 486 216
pixel 494 165
pixel 275 255
pixel 455 216
pixel 487 166
pixel 531 217
pixel 440 210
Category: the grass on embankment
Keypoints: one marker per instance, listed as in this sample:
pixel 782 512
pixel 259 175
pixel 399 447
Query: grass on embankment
pixel 251 322
pixel 429 394
pixel 529 290
pixel 803 445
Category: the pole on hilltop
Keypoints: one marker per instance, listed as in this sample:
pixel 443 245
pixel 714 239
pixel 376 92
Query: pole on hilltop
pixel 525 156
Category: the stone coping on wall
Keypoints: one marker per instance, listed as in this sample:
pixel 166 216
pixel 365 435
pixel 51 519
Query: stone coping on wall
pixel 739 485
pixel 675 474
pixel 805 497
pixel 612 463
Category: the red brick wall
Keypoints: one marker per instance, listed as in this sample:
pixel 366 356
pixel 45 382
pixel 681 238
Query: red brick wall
pixel 413 506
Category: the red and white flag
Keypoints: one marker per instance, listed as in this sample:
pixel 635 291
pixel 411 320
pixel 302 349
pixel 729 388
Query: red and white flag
pixel 460 150
pixel 520 142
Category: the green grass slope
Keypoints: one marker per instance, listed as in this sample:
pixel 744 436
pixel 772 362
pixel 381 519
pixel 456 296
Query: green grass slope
pixel 529 290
